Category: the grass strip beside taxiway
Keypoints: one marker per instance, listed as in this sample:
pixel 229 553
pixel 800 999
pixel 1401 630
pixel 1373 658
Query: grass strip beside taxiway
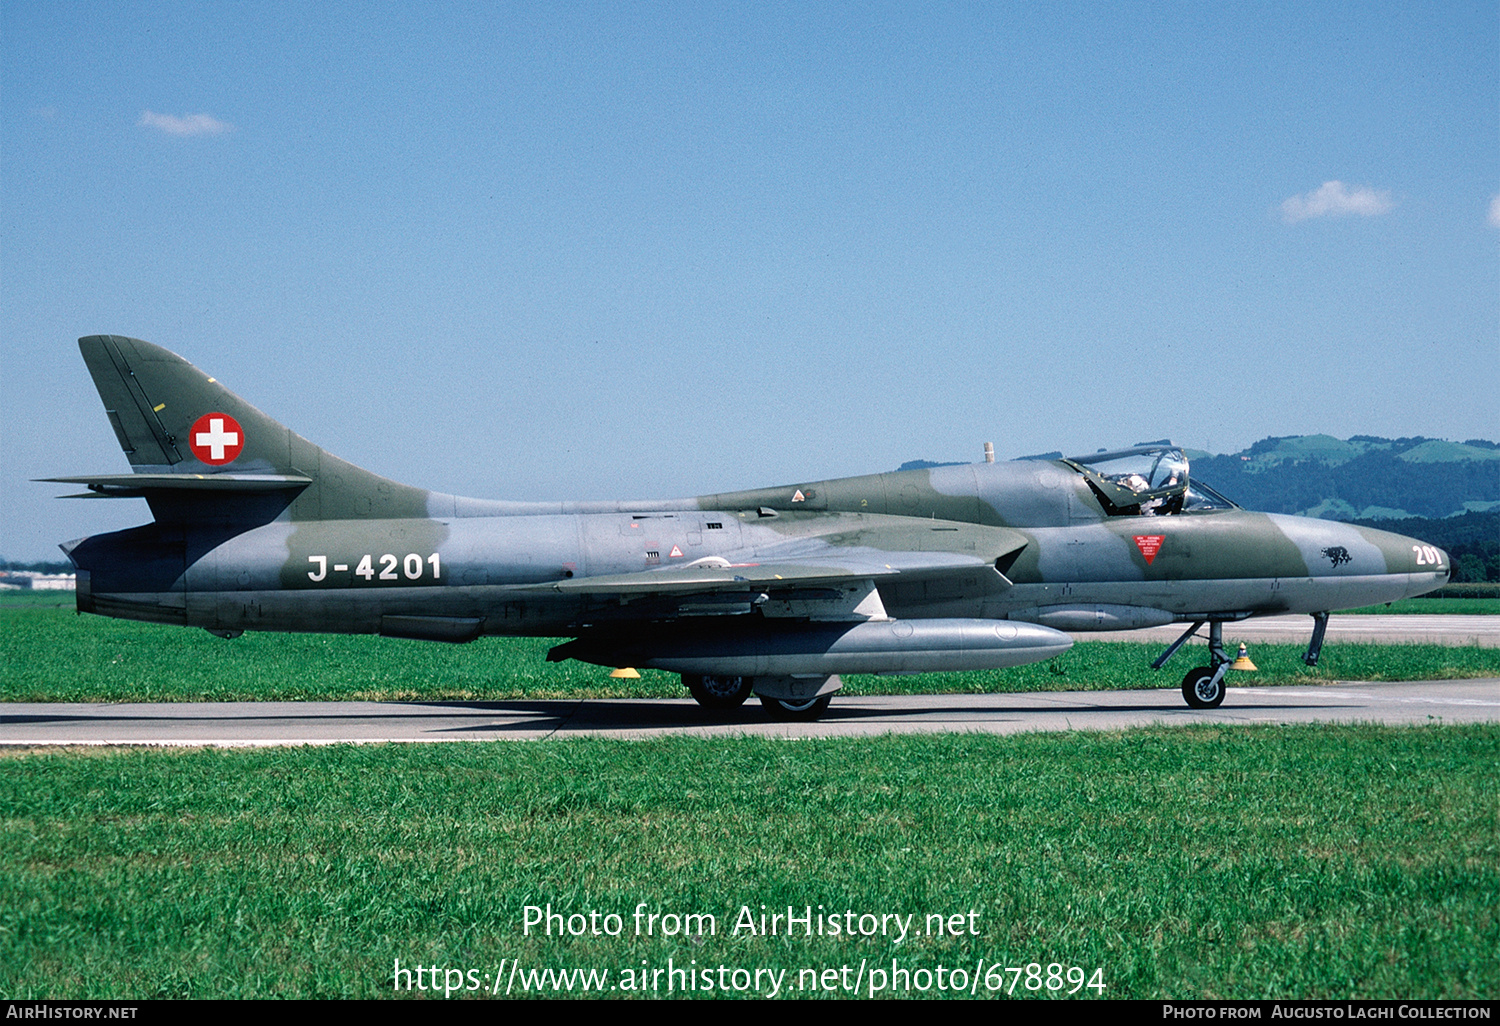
pixel 1244 862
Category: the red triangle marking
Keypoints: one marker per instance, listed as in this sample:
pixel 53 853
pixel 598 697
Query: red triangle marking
pixel 1149 544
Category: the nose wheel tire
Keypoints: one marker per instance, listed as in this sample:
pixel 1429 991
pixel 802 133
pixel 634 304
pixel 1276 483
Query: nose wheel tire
pixel 1203 688
pixel 719 692
pixel 795 712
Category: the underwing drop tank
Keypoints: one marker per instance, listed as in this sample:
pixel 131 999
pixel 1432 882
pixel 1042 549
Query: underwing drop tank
pixel 812 649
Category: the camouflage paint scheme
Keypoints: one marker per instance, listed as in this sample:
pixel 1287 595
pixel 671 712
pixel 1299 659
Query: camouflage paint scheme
pixel 960 567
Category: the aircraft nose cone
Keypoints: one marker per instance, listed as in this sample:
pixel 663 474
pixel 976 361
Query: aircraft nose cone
pixel 1373 566
pixel 1428 566
pixel 1423 558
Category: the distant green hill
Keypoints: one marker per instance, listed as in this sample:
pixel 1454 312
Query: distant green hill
pixel 1364 477
pixel 1472 541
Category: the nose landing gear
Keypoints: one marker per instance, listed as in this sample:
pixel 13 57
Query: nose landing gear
pixel 1203 687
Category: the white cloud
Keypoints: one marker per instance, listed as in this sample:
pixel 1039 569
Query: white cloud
pixel 1495 211
pixel 192 124
pixel 1335 199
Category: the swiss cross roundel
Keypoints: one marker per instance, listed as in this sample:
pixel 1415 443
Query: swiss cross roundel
pixel 216 439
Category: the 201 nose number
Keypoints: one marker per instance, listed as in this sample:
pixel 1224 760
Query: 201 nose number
pixel 1427 555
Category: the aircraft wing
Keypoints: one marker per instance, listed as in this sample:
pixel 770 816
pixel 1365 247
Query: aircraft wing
pixel 828 586
pixel 821 570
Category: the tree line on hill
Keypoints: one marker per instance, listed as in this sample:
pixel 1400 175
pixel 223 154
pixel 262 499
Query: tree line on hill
pixel 1472 541
pixel 1378 479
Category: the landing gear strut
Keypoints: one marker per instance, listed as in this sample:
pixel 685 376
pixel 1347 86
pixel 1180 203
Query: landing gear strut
pixel 1315 645
pixel 1203 687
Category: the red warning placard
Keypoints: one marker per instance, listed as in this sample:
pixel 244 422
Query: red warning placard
pixel 1150 545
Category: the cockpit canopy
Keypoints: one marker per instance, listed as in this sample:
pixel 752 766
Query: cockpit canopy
pixel 1148 480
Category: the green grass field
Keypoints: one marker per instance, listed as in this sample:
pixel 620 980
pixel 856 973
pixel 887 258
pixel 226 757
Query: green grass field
pixel 1244 862
pixel 1433 607
pixel 55 655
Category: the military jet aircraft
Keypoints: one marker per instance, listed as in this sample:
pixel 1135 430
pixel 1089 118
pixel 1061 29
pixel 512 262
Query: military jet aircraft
pixel 773 591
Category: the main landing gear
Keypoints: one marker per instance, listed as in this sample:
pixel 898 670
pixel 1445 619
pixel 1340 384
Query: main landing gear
pixel 719 693
pixel 788 711
pixel 785 699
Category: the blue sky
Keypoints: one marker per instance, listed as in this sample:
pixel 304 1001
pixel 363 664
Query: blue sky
pixel 633 250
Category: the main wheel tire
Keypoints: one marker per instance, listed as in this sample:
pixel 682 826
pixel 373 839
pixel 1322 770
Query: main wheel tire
pixel 1201 690
pixel 719 692
pixel 803 712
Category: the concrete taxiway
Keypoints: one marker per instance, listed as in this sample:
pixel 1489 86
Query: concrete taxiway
pixel 310 723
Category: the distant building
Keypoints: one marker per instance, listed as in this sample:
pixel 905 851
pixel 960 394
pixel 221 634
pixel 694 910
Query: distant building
pixel 11 580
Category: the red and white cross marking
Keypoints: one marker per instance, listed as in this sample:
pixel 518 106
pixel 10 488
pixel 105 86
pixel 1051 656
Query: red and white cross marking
pixel 216 439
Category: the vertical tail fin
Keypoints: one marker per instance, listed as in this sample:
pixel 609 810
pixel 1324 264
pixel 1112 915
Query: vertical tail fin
pixel 195 445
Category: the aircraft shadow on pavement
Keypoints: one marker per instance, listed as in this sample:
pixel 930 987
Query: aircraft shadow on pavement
pixel 567 716
pixel 634 714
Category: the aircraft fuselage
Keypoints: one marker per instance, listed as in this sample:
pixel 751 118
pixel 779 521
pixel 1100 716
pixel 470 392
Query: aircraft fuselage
pixel 346 575
pixel 774 590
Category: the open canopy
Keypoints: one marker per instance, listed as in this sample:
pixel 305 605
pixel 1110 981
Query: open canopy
pixel 1148 480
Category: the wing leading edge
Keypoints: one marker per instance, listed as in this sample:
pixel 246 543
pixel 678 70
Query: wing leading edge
pixel 722 576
